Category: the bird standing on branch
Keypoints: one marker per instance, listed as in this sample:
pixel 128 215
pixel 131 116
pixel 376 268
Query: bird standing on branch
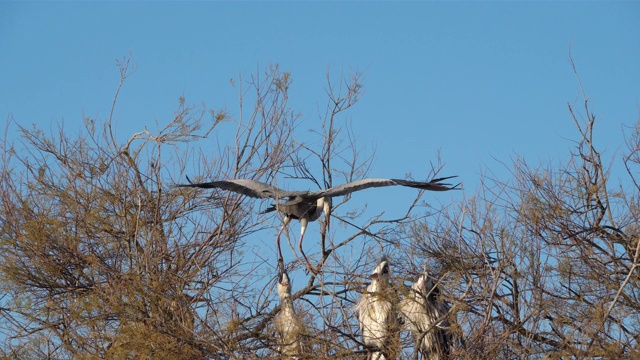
pixel 378 317
pixel 309 205
pixel 423 314
pixel 287 323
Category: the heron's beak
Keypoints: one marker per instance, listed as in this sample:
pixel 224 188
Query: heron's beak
pixel 284 279
pixel 419 284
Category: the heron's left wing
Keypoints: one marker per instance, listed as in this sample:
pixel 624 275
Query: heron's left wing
pixel 433 185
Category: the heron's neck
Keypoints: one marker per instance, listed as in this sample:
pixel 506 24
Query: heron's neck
pixel 287 302
pixel 375 287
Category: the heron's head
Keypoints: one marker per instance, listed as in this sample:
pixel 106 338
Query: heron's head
pixel 425 285
pixel 382 272
pixel 379 277
pixel 284 285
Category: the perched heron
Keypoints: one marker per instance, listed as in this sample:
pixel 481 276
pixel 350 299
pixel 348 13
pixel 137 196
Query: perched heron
pixel 378 317
pixel 309 205
pixel 287 323
pixel 421 310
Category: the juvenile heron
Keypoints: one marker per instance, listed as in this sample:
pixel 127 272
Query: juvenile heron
pixel 287 323
pixel 421 310
pixel 309 205
pixel 378 317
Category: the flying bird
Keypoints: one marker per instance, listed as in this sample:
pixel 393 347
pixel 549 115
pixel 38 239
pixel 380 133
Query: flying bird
pixel 422 312
pixel 309 205
pixel 378 317
pixel 287 323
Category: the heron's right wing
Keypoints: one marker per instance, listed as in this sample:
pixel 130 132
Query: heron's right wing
pixel 246 187
pixel 433 185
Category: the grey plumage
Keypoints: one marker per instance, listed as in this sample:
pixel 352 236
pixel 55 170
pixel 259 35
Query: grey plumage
pixel 261 190
pixel 309 205
pixel 421 310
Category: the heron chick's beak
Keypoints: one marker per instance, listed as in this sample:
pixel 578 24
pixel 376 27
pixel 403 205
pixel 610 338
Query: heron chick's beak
pixel 284 279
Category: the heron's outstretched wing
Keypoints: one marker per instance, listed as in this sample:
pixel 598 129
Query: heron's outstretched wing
pixel 246 187
pixel 433 185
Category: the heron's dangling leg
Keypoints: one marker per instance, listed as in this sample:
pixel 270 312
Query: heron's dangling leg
pixel 303 228
pixel 285 222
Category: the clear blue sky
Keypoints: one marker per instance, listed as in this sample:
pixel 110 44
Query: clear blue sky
pixel 479 80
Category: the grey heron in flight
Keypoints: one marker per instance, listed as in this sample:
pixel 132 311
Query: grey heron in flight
pixel 423 312
pixel 309 205
pixel 377 315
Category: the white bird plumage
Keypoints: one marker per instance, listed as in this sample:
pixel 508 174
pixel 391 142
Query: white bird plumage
pixel 288 326
pixel 378 317
pixel 420 311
